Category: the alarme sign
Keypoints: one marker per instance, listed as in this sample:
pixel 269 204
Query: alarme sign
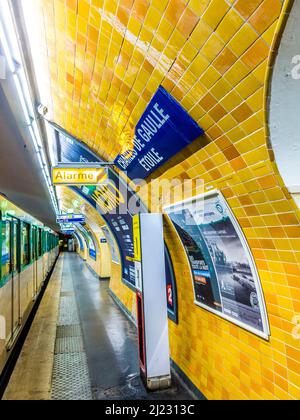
pixel 164 130
pixel 78 176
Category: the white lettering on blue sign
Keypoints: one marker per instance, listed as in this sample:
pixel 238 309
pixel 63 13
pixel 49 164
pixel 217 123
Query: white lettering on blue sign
pixel 151 160
pixel 150 126
pixel 164 129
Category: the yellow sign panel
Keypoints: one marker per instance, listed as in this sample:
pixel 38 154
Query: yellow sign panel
pixel 78 176
pixel 137 238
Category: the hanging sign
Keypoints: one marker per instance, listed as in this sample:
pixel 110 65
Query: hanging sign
pixel 78 176
pixel 164 129
pixel 68 232
pixel 67 228
pixel 70 218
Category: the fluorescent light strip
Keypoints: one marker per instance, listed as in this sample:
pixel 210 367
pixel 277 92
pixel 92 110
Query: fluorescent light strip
pixel 50 135
pixel 21 98
pixel 36 147
pixel 37 134
pixel 8 56
pixel 10 30
pixel 26 93
pixel 9 42
pixel 41 161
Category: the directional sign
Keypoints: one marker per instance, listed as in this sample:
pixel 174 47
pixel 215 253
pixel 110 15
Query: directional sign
pixel 78 176
pixel 69 232
pixel 71 218
pixel 67 228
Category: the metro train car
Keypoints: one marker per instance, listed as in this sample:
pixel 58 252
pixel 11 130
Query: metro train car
pixel 28 251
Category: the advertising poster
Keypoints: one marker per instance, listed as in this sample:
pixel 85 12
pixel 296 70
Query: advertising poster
pixel 224 275
pixel 113 249
pixel 92 250
pixel 79 241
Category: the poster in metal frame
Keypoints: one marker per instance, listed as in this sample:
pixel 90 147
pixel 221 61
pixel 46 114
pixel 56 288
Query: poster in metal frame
pixel 211 254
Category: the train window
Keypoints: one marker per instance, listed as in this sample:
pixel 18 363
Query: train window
pixel 39 242
pixel 25 254
pixel 34 244
pixel 5 257
pixel 46 249
pixel 15 244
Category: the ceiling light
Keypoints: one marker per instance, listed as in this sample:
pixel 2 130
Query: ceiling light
pixel 10 47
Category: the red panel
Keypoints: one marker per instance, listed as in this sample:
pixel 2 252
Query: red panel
pixel 141 331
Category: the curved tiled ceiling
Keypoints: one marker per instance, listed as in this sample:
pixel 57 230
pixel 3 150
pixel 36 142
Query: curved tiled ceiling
pixel 102 61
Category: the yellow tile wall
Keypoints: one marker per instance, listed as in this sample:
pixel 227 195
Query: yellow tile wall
pixel 106 59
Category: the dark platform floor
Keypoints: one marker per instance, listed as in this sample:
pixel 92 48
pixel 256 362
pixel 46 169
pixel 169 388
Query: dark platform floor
pixel 81 345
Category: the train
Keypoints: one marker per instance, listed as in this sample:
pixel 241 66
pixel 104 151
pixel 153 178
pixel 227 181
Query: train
pixel 28 251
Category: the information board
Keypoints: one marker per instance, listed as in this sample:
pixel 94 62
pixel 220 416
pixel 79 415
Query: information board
pixel 70 218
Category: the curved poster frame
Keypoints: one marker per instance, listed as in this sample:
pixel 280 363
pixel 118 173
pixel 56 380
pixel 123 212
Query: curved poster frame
pixel 223 271
pixel 79 239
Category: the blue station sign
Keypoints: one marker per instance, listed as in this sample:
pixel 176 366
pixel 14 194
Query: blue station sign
pixel 71 218
pixel 69 232
pixel 164 130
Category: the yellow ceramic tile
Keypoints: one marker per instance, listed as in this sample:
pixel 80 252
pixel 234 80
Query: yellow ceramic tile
pixel 215 12
pixel 242 39
pixel 248 86
pixel 229 25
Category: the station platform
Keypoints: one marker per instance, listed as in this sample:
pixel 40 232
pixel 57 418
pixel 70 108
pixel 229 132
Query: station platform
pixel 81 346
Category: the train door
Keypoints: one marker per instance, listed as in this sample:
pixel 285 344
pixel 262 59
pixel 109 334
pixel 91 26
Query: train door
pixel 34 257
pixel 14 244
pixel 10 269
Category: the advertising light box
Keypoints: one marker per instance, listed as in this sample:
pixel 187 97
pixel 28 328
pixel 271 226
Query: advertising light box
pixel 224 275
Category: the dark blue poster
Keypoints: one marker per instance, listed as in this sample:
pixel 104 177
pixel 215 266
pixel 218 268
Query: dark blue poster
pixel 164 130
pixel 111 201
pixel 79 241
